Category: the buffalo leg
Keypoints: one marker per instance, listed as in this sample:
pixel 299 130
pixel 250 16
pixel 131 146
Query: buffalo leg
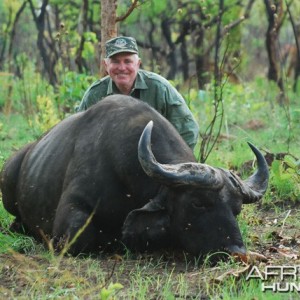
pixel 69 224
pixel 75 222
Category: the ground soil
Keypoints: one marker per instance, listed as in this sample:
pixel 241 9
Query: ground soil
pixel 274 237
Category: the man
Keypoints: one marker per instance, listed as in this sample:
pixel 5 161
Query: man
pixel 122 64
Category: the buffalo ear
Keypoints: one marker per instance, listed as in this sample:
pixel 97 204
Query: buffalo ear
pixel 147 228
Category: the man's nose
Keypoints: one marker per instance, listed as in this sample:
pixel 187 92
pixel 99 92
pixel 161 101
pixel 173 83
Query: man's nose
pixel 121 66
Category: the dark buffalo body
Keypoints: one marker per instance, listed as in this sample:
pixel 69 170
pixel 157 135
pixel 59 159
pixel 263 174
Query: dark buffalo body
pixel 125 182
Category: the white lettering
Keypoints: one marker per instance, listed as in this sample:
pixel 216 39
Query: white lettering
pixel 271 271
pixel 283 287
pixel 280 279
pixel 268 287
pixel 256 275
pixel 289 271
pixel 294 287
pixel 281 272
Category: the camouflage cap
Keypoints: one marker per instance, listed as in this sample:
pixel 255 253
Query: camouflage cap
pixel 120 44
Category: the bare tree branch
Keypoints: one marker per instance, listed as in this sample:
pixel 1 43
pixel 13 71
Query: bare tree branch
pixel 129 11
pixel 233 24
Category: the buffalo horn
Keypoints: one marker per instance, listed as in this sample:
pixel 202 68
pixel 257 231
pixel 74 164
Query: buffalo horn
pixel 191 173
pixel 256 185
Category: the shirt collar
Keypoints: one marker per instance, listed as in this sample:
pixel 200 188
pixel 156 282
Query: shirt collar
pixel 139 84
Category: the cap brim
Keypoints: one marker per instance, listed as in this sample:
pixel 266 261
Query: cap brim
pixel 121 51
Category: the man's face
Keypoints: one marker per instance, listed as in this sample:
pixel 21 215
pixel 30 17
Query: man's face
pixel 123 68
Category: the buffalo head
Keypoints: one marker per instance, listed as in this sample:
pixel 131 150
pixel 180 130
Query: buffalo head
pixel 197 206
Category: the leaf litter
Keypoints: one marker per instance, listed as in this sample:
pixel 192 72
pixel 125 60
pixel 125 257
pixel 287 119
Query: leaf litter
pixel 274 239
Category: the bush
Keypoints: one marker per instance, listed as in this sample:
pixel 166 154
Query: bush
pixel 285 180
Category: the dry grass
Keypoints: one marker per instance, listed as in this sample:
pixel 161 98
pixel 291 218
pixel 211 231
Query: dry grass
pixel 41 275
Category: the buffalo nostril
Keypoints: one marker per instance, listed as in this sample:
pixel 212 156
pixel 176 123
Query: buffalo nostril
pixel 234 249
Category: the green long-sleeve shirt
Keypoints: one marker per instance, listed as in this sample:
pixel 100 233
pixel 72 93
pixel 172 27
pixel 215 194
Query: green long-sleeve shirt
pixel 158 93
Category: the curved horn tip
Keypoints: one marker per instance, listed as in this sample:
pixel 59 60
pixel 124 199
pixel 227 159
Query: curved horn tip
pixel 146 134
pixel 253 148
pixel 258 182
pixel 259 156
pixel 144 145
pixel 149 126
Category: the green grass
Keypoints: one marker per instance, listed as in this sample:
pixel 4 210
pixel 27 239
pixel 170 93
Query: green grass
pixel 250 115
pixel 15 132
pixel 88 278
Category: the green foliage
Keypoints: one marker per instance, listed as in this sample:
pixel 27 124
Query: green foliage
pixel 17 242
pixel 108 293
pixel 69 11
pixel 251 115
pixel 150 9
pixel 12 241
pixel 46 116
pixel 33 95
pixel 285 179
pixel 25 89
pixel 14 133
pixel 5 217
pixel 90 41
pixel 71 90
pixel 7 7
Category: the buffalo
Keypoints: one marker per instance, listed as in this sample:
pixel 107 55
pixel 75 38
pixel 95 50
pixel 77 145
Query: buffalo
pixel 120 176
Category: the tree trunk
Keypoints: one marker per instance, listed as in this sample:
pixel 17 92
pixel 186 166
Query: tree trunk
pixel 275 14
pixel 297 66
pixel 154 56
pixel 296 60
pixel 82 29
pixel 108 26
pixel 49 62
pixel 171 56
pixel 185 28
pixel 184 59
pixel 201 58
pixel 5 38
pixel 8 102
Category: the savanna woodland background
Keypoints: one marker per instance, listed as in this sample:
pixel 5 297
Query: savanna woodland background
pixel 237 64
